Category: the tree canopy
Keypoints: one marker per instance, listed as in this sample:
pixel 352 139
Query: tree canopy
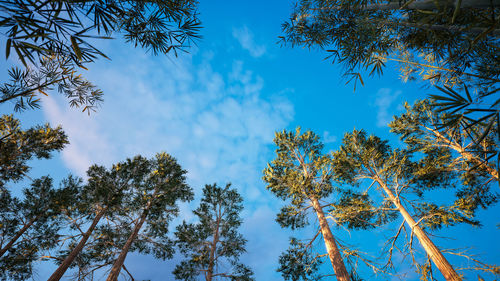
pixel 452 44
pixel 53 41
pixel 301 174
pixel 446 38
pixel 18 146
pixel 213 245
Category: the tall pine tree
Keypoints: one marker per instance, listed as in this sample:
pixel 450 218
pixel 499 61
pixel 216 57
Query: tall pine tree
pixel 213 245
pixel 399 180
pixel 18 146
pixel 151 202
pixel 302 174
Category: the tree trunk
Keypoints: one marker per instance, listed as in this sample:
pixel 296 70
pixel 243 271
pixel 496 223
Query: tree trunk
pixel 117 266
pixel 58 274
pixel 431 5
pixel 330 244
pixel 211 261
pixel 18 234
pixel 432 251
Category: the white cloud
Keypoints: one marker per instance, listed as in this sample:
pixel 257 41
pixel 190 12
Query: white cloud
pixel 219 126
pixel 83 133
pixel 328 137
pixel 383 102
pixel 246 39
pixel 206 119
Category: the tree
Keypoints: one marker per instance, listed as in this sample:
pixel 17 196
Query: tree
pixel 451 37
pixel 51 40
pixel 362 157
pixel 213 244
pixel 30 226
pixel 453 44
pixel 298 262
pixel 151 203
pixel 18 146
pixel 474 149
pixel 302 174
pixel 102 196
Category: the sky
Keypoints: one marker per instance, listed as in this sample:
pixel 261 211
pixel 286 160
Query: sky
pixel 216 109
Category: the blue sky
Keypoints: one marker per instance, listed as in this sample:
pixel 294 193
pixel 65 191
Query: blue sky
pixel 216 110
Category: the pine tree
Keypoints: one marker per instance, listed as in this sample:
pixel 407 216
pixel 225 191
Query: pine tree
pixel 30 226
pixel 302 174
pixel 18 146
pixel 156 187
pixel 100 197
pixel 399 180
pixel 213 245
pixel 473 148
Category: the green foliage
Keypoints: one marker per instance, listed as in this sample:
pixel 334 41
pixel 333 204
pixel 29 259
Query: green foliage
pixel 18 146
pixel 132 190
pixel 454 149
pixel 290 216
pixel 213 244
pixel 442 38
pixel 453 45
pixel 51 39
pixel 477 111
pixel 300 171
pixel 356 210
pixel 26 85
pixel 30 227
pixel 363 157
pixel 298 263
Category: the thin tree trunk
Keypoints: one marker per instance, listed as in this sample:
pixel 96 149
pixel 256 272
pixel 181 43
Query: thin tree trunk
pixel 432 251
pixel 117 266
pixel 18 234
pixel 58 274
pixel 211 261
pixel 330 244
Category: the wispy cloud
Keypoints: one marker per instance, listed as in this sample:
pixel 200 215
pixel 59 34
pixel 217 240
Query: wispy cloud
pixel 220 127
pixel 246 39
pixel 383 102
pixel 328 137
pixel 206 119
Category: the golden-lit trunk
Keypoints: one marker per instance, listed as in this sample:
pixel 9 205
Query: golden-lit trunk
pixel 432 251
pixel 330 244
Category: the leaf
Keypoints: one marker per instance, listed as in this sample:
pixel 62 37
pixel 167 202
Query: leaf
pixel 77 50
pixel 468 94
pixel 474 122
pixel 457 9
pixel 486 131
pixel 7 48
pixel 21 57
pixel 361 79
pixel 41 91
